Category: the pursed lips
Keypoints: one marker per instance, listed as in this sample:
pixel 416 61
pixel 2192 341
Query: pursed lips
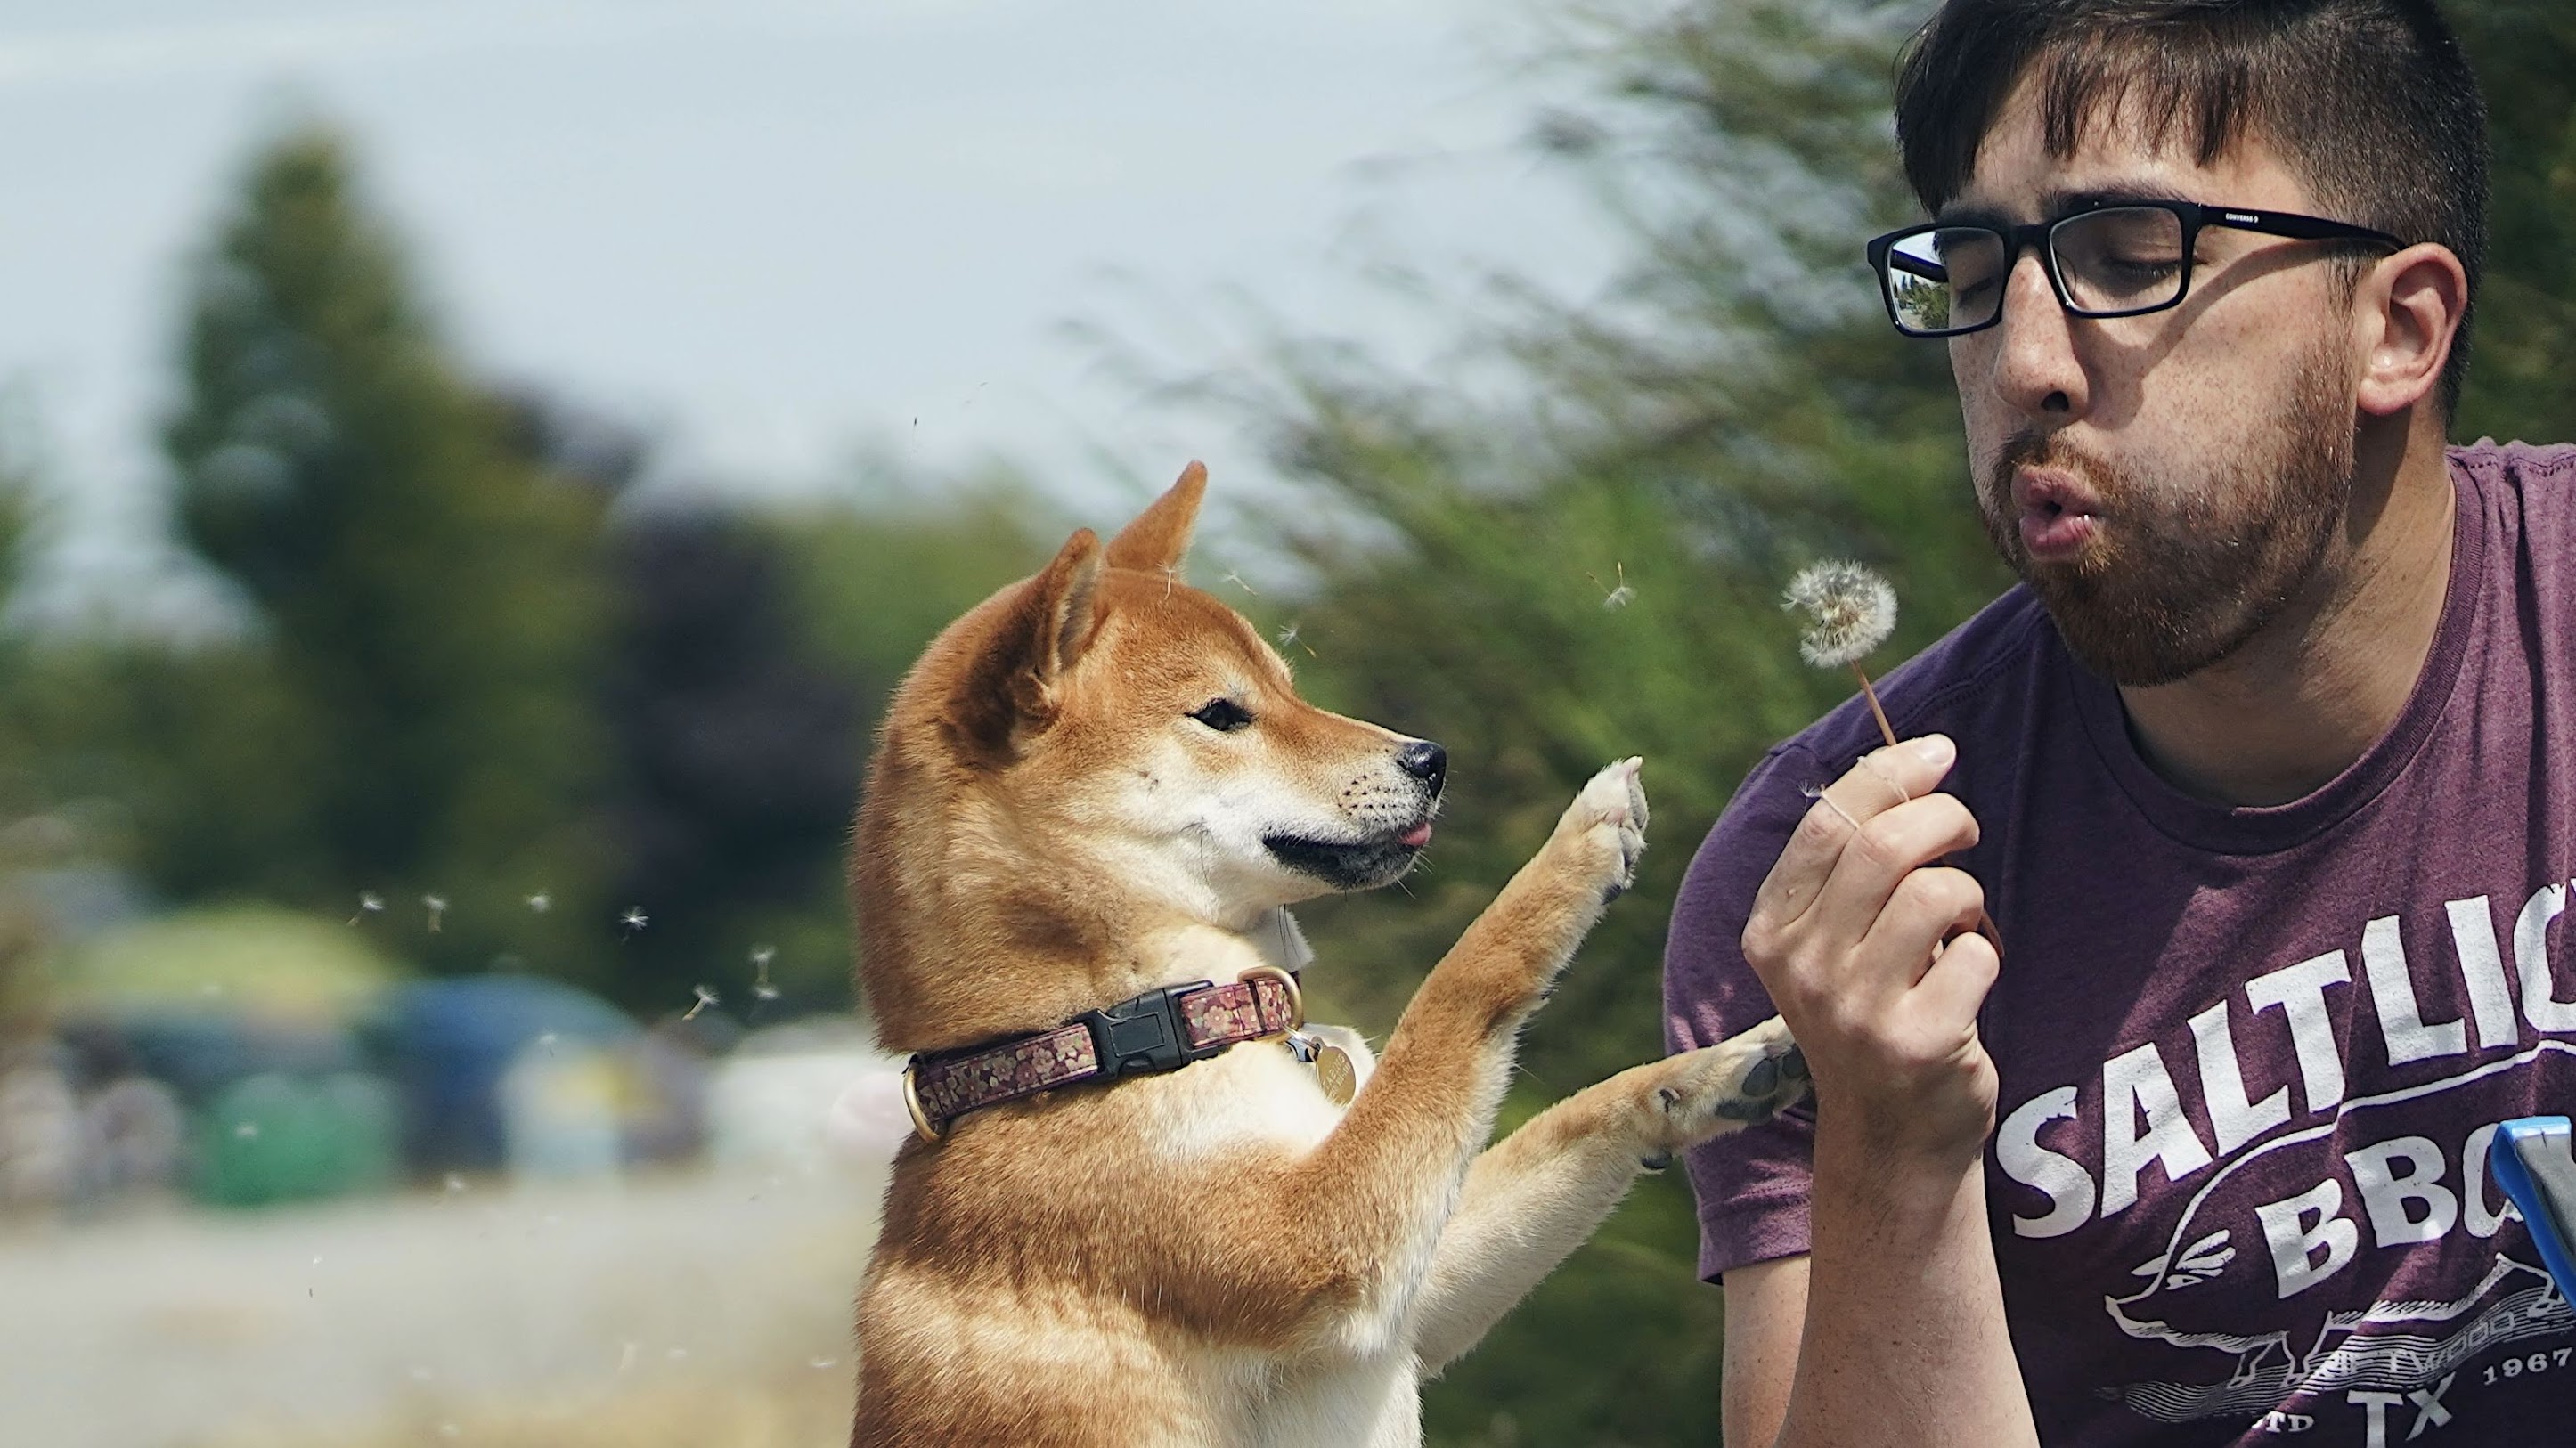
pixel 2059 515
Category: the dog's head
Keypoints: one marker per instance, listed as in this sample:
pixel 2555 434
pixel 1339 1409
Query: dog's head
pixel 1097 753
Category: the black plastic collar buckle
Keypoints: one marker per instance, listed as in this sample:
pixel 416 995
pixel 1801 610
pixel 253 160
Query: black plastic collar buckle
pixel 1143 1033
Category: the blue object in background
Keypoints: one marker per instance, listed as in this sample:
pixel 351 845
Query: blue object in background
pixel 2533 1161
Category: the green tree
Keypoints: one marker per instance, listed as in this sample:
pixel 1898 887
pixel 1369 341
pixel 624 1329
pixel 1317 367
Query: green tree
pixel 2525 54
pixel 417 708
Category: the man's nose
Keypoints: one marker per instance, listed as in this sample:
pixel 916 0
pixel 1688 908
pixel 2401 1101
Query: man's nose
pixel 2036 369
pixel 1425 761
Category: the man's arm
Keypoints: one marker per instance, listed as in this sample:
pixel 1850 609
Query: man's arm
pixel 1766 1309
pixel 1867 946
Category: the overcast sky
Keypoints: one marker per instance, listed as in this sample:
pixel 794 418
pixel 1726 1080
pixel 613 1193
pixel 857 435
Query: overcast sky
pixel 776 228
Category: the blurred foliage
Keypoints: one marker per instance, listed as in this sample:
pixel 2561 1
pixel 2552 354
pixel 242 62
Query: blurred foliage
pixel 430 601
pixel 2525 54
pixel 754 652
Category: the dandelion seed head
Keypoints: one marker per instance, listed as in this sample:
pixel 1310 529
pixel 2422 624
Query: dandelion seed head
pixel 371 902
pixel 1619 598
pixel 762 955
pixel 1850 611
pixel 634 918
pixel 541 902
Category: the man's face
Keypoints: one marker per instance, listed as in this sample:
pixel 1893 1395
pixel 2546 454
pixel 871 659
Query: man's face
pixel 2167 483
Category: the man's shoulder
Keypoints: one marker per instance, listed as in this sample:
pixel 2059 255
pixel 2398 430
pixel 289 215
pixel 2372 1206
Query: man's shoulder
pixel 1950 687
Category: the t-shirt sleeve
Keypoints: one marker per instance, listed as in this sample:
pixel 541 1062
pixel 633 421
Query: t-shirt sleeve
pixel 1751 1184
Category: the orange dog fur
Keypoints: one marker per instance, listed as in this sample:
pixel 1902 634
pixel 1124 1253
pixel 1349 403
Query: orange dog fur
pixel 1057 818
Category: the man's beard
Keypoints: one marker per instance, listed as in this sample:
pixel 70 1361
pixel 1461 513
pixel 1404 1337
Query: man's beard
pixel 2173 584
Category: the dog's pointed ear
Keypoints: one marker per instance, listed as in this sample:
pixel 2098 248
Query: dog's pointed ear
pixel 1015 680
pixel 1160 536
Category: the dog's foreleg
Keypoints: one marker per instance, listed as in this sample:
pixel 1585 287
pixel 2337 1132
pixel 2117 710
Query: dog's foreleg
pixel 1379 1188
pixel 1534 1197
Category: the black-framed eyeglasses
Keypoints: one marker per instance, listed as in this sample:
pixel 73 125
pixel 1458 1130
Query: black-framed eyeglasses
pixel 2111 259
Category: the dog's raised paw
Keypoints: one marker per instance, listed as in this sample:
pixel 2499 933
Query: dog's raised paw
pixel 1610 815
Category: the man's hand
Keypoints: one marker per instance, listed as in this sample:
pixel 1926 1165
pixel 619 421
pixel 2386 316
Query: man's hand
pixel 1868 947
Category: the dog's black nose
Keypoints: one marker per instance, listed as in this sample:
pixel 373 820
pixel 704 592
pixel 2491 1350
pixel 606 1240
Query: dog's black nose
pixel 1425 761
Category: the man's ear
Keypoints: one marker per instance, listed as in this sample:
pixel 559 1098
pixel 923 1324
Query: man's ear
pixel 1018 676
pixel 2411 305
pixel 1160 536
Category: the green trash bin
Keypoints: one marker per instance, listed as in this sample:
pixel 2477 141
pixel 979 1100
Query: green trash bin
pixel 280 1138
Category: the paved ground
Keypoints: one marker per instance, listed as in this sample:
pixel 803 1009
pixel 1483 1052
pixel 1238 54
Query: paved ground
pixel 445 1316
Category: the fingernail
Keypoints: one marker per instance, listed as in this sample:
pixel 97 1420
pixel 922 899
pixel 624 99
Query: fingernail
pixel 1935 750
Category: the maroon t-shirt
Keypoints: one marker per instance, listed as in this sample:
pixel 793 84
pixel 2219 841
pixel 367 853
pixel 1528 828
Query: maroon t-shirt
pixel 2252 1059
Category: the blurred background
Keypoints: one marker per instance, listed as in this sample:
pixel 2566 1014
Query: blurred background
pixel 470 473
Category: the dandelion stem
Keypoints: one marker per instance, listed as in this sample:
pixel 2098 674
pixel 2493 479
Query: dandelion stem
pixel 1871 694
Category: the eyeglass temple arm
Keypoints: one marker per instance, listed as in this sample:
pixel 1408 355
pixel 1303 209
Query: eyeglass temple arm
pixel 2291 224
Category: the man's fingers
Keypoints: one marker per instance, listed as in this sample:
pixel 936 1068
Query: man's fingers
pixel 1881 781
pixel 1954 985
pixel 1884 855
pixel 1928 906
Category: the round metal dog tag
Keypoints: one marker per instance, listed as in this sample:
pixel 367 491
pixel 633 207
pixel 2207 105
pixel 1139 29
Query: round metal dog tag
pixel 1333 1072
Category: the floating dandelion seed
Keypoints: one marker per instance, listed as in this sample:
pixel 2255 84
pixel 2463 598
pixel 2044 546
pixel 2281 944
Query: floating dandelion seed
pixel 548 1041
pixel 1851 611
pixel 541 902
pixel 706 997
pixel 455 1183
pixel 634 919
pixel 437 907
pixel 369 903
pixel 1236 578
pixel 246 1130
pixel 761 956
pixel 1614 599
pixel 818 1364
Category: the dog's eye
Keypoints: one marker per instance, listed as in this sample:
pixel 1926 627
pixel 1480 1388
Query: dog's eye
pixel 1222 715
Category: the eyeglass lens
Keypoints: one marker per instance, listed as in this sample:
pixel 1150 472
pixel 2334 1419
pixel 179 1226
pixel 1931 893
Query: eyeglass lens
pixel 2116 260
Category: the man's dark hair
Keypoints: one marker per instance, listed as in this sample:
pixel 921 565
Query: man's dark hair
pixel 2370 102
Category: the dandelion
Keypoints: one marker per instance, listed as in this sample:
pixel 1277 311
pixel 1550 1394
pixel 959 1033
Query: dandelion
pixel 437 907
pixel 1851 611
pixel 540 903
pixel 706 995
pixel 1235 577
pixel 634 919
pixel 369 903
pixel 761 956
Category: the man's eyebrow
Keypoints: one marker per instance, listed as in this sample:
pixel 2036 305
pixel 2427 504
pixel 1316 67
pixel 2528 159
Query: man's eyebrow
pixel 2059 203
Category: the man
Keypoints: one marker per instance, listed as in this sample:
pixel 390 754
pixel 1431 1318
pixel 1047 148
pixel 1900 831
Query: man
pixel 2262 777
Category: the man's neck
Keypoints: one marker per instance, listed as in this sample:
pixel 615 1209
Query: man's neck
pixel 2324 681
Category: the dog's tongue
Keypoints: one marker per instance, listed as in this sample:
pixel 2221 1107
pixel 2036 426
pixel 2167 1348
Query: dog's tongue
pixel 1416 837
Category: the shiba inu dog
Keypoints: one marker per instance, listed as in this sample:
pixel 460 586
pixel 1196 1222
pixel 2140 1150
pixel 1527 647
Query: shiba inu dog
pixel 1145 1204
